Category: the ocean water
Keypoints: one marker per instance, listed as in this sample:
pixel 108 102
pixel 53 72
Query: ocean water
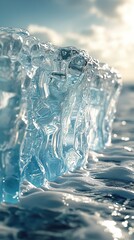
pixel 92 203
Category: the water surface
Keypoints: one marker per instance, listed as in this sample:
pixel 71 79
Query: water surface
pixel 96 202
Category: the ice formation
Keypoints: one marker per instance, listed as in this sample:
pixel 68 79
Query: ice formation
pixel 56 104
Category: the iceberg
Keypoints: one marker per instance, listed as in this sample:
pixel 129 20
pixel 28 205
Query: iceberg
pixel 56 105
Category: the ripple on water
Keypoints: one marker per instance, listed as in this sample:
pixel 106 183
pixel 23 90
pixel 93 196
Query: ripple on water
pixel 96 202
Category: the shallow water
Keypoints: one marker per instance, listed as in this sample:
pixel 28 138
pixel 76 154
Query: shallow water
pixel 96 202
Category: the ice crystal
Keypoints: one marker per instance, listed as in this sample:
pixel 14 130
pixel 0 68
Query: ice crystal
pixel 56 105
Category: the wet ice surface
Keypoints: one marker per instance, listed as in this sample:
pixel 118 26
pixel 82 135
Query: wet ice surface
pixel 96 202
pixel 56 105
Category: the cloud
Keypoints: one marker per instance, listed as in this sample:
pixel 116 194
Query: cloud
pixel 111 40
pixel 108 7
pixel 45 34
pixel 113 47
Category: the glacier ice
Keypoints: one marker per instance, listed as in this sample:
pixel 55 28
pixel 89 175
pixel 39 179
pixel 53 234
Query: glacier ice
pixel 56 105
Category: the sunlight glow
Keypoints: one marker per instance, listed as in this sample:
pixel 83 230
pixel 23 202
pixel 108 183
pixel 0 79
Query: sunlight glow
pixel 127 12
pixel 112 228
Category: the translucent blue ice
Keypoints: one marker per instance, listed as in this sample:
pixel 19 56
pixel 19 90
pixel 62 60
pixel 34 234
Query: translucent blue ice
pixel 56 105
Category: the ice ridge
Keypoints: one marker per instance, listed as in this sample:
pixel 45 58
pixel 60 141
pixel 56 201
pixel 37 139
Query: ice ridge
pixel 56 105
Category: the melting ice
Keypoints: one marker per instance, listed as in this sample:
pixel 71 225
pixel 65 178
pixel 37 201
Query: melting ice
pixel 56 105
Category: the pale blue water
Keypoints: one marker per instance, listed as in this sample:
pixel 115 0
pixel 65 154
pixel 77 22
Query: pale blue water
pixel 95 203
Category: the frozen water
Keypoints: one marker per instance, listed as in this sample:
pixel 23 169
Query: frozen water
pixel 56 105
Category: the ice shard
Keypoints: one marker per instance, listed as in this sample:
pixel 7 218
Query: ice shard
pixel 56 105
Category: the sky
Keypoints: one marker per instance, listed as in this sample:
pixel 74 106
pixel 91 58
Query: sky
pixel 104 28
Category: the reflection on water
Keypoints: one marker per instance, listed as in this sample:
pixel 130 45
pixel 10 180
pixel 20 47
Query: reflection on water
pixel 111 226
pixel 96 202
